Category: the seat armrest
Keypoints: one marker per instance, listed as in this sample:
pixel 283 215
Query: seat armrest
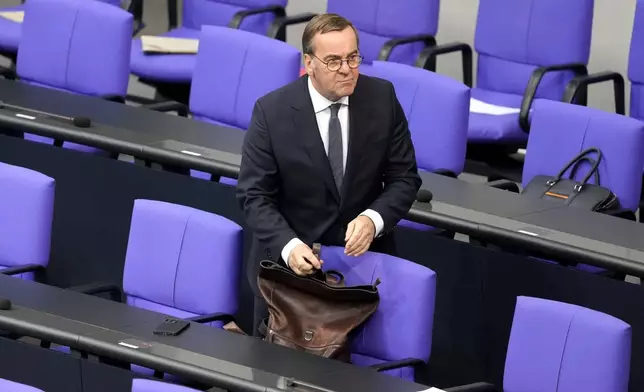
pixel 115 291
pixel 136 9
pixel 389 46
pixel 505 185
pixel 581 83
pixel 21 269
pixel 209 318
pixel 391 365
pixel 476 387
pixel 277 29
pixel 239 17
pixel 427 58
pixel 445 172
pixel 169 106
pixel 533 85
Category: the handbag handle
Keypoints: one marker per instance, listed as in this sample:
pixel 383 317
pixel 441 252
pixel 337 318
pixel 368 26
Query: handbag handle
pixel 573 172
pixel 577 159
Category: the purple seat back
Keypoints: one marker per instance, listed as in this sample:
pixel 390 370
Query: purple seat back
pixel 197 13
pixel 437 109
pixel 26 213
pixel 636 63
pixel 76 45
pixel 402 326
pixel 141 385
pixel 11 386
pixel 182 261
pixel 558 347
pixel 560 131
pixel 514 37
pixel 234 68
pixel 379 21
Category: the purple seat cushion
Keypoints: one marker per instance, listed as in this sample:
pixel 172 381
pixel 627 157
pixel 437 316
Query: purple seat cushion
pixel 26 211
pixel 10 31
pixel 558 347
pixel 490 128
pixel 176 68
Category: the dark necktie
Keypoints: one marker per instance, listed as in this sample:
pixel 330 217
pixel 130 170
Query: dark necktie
pixel 335 146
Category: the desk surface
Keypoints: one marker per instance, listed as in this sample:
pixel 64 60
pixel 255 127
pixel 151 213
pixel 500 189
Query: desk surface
pixel 98 325
pixel 134 130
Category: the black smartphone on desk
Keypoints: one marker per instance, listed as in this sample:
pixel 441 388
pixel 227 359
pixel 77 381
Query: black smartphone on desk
pixel 171 327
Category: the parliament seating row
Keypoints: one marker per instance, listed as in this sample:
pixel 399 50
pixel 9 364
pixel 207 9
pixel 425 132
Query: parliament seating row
pixel 224 90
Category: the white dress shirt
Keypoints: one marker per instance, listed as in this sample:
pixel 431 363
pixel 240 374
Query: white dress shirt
pixel 322 109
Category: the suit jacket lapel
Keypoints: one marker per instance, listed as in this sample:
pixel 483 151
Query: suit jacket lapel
pixel 306 125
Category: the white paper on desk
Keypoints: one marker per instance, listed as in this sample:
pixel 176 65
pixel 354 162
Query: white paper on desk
pixel 481 107
pixel 169 45
pixel 15 16
pixel 432 390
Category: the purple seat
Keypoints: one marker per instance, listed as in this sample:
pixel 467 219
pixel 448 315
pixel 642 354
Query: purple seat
pixel 26 213
pixel 388 30
pixel 402 326
pixel 437 110
pixel 558 347
pixel 225 89
pixel 526 49
pixel 10 32
pixel 576 128
pixel 86 45
pixel 141 385
pixel 174 255
pixel 250 15
pixel 381 23
pixel 11 386
pixel 636 64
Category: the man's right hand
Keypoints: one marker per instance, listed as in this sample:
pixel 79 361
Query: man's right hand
pixel 302 260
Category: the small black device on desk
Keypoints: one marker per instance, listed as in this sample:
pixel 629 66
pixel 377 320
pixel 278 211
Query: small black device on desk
pixel 171 327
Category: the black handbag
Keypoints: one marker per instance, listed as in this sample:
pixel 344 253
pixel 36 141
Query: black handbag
pixel 574 193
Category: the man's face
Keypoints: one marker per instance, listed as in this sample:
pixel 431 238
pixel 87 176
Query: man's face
pixel 330 48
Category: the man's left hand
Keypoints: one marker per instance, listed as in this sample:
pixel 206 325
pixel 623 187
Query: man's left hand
pixel 360 234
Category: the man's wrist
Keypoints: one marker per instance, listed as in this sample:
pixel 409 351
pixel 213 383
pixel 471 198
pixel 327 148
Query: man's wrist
pixel 376 219
pixel 286 251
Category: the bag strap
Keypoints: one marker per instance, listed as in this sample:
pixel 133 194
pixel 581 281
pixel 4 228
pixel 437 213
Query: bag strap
pixel 576 159
pixel 573 172
pixel 321 275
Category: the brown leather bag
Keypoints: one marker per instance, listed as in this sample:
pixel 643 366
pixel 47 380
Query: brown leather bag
pixel 316 314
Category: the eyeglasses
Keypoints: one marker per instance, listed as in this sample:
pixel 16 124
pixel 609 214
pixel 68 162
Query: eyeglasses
pixel 334 65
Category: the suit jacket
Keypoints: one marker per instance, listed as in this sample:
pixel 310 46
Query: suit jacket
pixel 286 187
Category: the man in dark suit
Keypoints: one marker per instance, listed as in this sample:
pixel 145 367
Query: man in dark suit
pixel 326 159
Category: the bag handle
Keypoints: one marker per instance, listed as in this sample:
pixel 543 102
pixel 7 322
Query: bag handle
pixel 573 172
pixel 321 275
pixel 579 157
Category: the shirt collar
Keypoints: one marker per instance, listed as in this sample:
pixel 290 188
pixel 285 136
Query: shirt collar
pixel 321 103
